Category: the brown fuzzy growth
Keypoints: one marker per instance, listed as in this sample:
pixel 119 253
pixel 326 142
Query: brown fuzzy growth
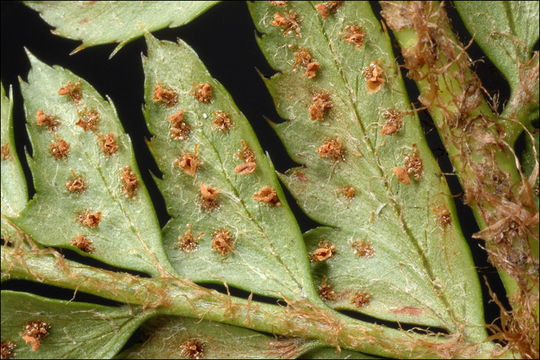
pixel 354 35
pixel 222 241
pixel 72 90
pixel 59 149
pixel 6 154
pixel 77 184
pixel 413 164
pixel 83 243
pixel 49 121
pixel 209 197
pixel 165 95
pixel 130 184
pixel 8 349
pixel 202 92
pixel 393 122
pixel 289 22
pixel 360 299
pixel 375 77
pixel 326 292
pixel 267 195
pixel 88 119
pixel 33 333
pixel 107 143
pixel 328 7
pixel 189 162
pixel 245 168
pixel 222 121
pixel 362 248
pixel 443 216
pixel 320 104
pixel 278 3
pixel 180 129
pixel 402 175
pixel 323 253
pixel 187 243
pixel 192 349
pixel 89 219
pixel 332 149
pixel 245 154
pixel 348 191
pixel 303 57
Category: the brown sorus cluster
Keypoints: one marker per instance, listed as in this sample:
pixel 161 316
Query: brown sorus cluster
pixel 332 149
pixel 59 149
pixel 49 121
pixel 222 121
pixel 402 175
pixel 33 333
pixel 289 22
pixel 443 215
pixel 245 153
pixel 130 184
pixel 89 219
pixel 328 7
pixel 6 155
pixel 279 3
pixel 303 57
pixel 73 90
pixel 326 292
pixel 88 120
pixel 267 195
pixel 189 162
pixel 8 349
pixel 180 129
pixel 360 299
pixel 192 349
pixel 107 143
pixel 209 197
pixel 362 248
pixel 187 243
pixel 77 184
pixel 222 241
pixel 83 243
pixel 348 191
pixel 320 105
pixel 393 122
pixel 413 164
pixel 300 176
pixel 375 77
pixel 202 92
pixel 354 34
pixel 245 168
pixel 324 252
pixel 165 95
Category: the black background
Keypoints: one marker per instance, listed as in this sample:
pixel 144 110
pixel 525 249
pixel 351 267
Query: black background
pixel 224 38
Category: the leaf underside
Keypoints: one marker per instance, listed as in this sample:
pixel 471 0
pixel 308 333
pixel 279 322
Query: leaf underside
pixel 76 330
pixel 102 22
pixel 421 270
pixel 90 193
pixel 266 254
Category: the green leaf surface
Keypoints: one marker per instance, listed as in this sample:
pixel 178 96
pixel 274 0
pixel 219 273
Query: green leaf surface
pixel 269 255
pixel 76 330
pixel 102 22
pixel 117 218
pixel 505 30
pixel 332 353
pixel 421 270
pixel 171 337
pixel 14 192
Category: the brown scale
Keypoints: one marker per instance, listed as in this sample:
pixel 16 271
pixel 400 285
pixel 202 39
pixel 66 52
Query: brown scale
pixel 209 197
pixel 222 241
pixel 89 219
pixel 130 184
pixel 49 121
pixel 73 90
pixel 165 95
pixel 77 184
pixel 289 22
pixel 59 149
pixel 402 175
pixel 320 105
pixel 267 195
pixel 33 333
pixel 107 143
pixel 202 92
pixel 222 121
pixel 323 253
pixel 83 243
pixel 375 77
pixel 328 7
pixel 332 149
pixel 189 162
pixel 245 168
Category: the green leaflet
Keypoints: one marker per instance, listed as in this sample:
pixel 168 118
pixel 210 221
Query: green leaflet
pixel 505 30
pixel 332 353
pixel 269 255
pixel 76 330
pixel 169 337
pixel 102 22
pixel 92 190
pixel 421 270
pixel 14 192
